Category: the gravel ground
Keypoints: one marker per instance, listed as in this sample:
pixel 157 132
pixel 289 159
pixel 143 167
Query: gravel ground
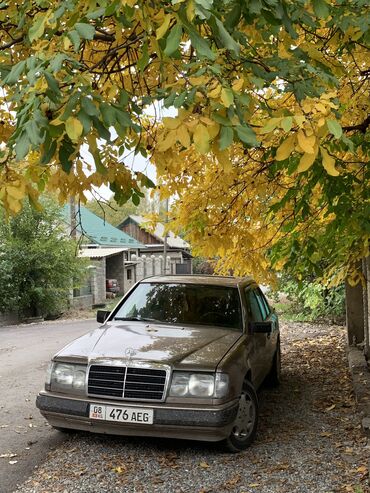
pixel 309 440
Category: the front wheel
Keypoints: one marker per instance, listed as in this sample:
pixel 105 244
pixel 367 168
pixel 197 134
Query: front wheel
pixel 245 425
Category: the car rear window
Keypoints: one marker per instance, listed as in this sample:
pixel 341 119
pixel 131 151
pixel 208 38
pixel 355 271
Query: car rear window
pixel 193 304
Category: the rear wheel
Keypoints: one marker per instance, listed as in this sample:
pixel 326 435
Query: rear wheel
pixel 245 424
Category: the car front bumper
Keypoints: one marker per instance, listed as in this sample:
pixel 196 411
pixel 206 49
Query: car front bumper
pixel 208 423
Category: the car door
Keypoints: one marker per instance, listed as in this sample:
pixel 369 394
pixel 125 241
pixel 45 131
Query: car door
pixel 268 315
pixel 260 340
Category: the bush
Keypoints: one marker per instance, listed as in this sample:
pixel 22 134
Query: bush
pixel 308 301
pixel 37 262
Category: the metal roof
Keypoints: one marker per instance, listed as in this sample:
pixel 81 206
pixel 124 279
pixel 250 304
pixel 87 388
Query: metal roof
pixel 201 279
pixel 99 231
pixel 100 252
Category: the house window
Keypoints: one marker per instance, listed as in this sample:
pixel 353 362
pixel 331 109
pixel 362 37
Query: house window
pixel 129 274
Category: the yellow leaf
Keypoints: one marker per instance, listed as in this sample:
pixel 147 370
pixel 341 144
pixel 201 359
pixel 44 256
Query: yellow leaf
pixel 227 97
pixel 238 85
pixel 213 130
pixel 161 31
pixel 285 149
pixel 201 138
pixel 306 162
pixel 66 43
pixel 16 192
pixel 183 136
pixel 223 158
pixel 362 469
pixel 215 93
pixel 328 162
pixel 190 10
pixel 168 142
pixel 171 123
pixel 306 143
pixel 74 128
pixel 204 465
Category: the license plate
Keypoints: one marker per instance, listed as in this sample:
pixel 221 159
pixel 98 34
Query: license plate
pixel 122 414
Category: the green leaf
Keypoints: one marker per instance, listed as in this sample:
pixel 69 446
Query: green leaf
pixel 108 113
pixel 226 39
pixel 226 137
pixel 22 146
pixel 173 40
pixel 123 118
pixel 15 73
pixel 334 128
pixel 33 132
pixel 38 27
pixel 89 107
pixel 179 101
pixel 247 135
pixel 96 14
pixel 143 61
pixel 287 123
pixel 233 16
pixel 49 151
pixel 321 8
pixel 65 152
pixel 52 83
pixel 135 199
pixel 85 120
pixel 85 31
pixel 75 38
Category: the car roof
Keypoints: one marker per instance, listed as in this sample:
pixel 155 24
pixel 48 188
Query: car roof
pixel 201 279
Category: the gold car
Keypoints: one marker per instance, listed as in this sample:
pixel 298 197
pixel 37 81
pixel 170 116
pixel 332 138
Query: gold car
pixel 179 356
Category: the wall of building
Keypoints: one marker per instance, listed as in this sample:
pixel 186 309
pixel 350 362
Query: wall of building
pixel 132 229
pixel 114 266
pixel 97 267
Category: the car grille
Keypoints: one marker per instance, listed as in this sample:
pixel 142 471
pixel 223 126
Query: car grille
pixel 121 382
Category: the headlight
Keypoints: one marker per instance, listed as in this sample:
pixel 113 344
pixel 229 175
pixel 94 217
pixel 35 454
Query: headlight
pixel 66 377
pixel 186 384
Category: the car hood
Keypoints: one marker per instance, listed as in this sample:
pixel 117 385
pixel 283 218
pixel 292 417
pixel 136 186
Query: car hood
pixel 180 347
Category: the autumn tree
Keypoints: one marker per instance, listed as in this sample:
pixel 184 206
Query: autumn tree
pixel 267 153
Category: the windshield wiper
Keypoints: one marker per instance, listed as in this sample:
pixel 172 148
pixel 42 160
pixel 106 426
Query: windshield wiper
pixel 137 319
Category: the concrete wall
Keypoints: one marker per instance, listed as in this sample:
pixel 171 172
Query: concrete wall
pixel 8 319
pixel 114 269
pixel 358 310
pixel 81 302
pixel 98 280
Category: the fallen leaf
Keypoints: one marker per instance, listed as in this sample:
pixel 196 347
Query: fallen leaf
pixel 330 408
pixel 7 456
pixel 204 465
pixel 11 462
pixel 362 469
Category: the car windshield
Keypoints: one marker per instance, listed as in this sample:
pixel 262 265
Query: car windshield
pixel 193 304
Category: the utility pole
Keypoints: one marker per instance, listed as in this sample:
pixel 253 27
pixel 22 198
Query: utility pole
pixel 165 239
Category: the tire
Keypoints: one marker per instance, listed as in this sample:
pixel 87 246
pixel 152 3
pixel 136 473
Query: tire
pixel 273 379
pixel 245 424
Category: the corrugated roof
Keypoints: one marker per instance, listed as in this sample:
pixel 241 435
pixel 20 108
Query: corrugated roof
pixel 100 252
pixel 173 241
pixel 99 231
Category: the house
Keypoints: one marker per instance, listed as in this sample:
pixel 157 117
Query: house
pixel 178 250
pixel 109 250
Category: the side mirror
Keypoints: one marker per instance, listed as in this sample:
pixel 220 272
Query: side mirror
pixel 102 315
pixel 261 327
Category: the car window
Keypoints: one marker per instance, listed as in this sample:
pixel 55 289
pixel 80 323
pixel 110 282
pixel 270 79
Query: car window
pixel 264 300
pixel 193 304
pixel 261 303
pixel 253 306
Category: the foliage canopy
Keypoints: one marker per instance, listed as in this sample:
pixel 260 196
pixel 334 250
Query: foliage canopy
pixel 267 154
